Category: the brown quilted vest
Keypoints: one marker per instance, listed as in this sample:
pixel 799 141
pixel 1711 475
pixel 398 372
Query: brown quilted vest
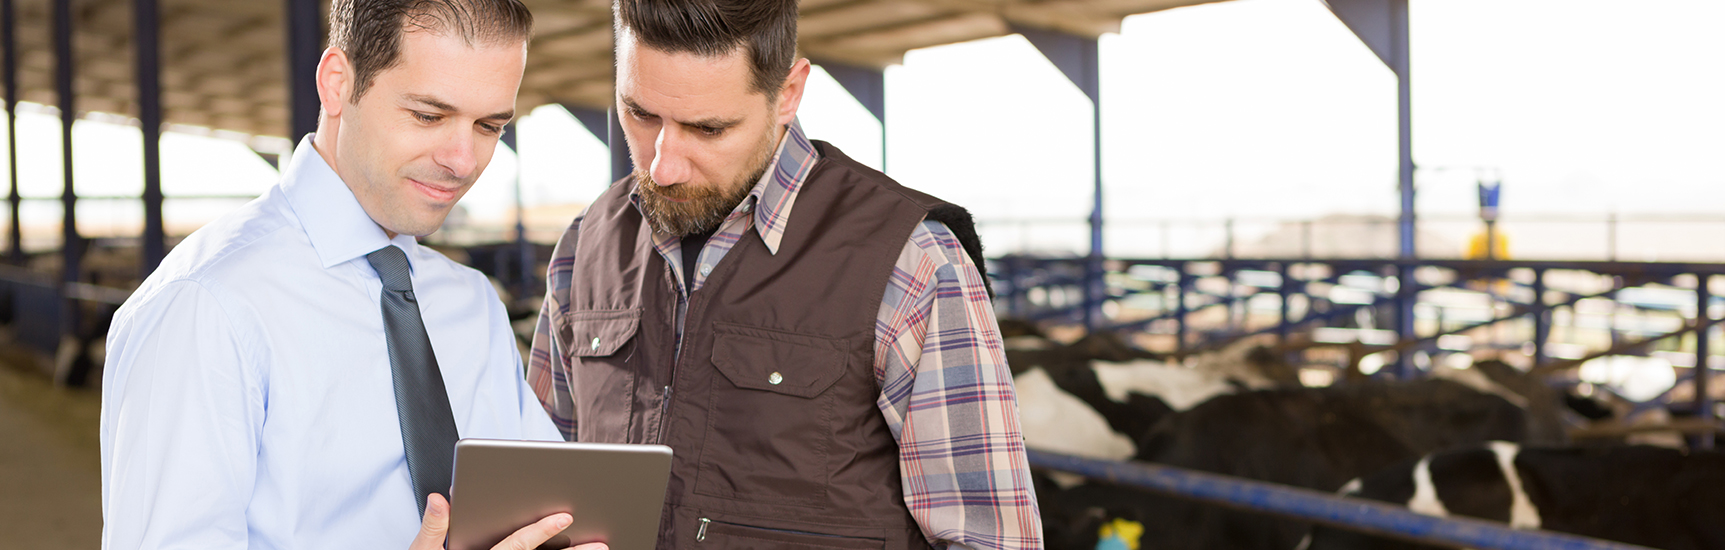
pixel 770 403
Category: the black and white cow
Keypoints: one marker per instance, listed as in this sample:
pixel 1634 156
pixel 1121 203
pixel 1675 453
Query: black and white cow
pixel 1651 496
pixel 1309 437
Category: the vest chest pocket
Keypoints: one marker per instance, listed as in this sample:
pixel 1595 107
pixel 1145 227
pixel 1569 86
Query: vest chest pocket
pixel 599 332
pixel 601 384
pixel 770 426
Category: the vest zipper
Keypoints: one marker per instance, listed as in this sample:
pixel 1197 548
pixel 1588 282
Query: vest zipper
pixel 676 356
pixel 701 535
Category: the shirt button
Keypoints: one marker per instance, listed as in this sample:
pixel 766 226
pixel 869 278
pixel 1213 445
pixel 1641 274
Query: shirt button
pixel 706 269
pixel 595 343
pixel 775 378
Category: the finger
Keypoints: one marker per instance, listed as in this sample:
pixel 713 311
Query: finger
pixel 590 546
pixel 434 525
pixel 530 537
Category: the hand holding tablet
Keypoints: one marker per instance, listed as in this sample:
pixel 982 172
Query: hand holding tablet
pixel 531 492
pixel 435 525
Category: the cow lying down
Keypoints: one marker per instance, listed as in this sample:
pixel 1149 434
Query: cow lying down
pixel 1650 496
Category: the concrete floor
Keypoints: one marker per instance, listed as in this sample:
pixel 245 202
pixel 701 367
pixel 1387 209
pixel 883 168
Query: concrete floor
pixel 50 474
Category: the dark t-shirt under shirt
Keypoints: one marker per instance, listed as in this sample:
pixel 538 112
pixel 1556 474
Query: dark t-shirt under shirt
pixel 692 245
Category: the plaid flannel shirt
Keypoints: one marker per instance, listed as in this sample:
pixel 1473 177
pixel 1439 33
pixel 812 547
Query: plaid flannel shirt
pixel 946 391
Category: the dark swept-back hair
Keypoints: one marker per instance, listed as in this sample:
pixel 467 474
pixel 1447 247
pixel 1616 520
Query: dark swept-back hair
pixel 766 28
pixel 370 31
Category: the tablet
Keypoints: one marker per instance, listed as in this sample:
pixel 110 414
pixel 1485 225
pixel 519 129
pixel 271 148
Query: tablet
pixel 615 492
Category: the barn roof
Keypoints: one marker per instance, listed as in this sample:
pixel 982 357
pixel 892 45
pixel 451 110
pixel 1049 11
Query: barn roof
pixel 223 61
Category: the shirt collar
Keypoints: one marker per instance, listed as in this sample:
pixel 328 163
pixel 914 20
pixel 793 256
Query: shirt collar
pixel 776 192
pixel 338 227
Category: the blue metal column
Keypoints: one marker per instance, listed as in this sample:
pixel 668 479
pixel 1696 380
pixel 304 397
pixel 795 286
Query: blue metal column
pixel 1703 373
pixel 603 125
pixel 1383 26
pixel 304 48
pixel 146 20
pixel 868 86
pixel 1541 318
pixel 71 244
pixel 523 250
pixel 9 35
pixel 1182 283
pixel 1077 58
pixel 1286 291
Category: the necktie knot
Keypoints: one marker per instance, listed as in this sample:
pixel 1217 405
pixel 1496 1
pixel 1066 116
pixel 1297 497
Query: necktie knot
pixel 391 265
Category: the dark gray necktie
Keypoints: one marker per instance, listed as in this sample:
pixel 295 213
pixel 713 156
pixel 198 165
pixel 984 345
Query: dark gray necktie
pixel 427 426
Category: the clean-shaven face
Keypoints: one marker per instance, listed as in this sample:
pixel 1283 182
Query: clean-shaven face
pixel 420 136
pixel 699 134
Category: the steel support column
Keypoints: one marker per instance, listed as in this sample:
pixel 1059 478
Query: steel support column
pixel 304 48
pixel 1703 372
pixel 1182 284
pixel 1541 318
pixel 9 35
pixel 1286 290
pixel 523 250
pixel 868 87
pixel 603 125
pixel 71 244
pixel 1383 26
pixel 1077 58
pixel 146 18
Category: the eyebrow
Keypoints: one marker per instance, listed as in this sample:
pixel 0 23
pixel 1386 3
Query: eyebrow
pixel 442 106
pixel 709 122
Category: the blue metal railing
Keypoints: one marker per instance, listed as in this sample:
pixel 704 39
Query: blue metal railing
pixel 1354 514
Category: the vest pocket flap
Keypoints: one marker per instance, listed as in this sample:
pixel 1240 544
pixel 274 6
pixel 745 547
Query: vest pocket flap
pixel 779 362
pixel 598 333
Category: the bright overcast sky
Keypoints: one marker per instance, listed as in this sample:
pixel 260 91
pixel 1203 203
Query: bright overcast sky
pixel 1255 109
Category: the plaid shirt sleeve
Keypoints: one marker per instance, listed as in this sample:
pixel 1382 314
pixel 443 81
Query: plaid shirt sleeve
pixel 547 369
pixel 947 395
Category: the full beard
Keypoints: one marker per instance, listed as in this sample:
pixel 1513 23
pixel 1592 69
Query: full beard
pixel 702 208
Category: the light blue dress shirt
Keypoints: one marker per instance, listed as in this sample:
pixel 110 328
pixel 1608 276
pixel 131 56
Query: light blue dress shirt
pixel 247 398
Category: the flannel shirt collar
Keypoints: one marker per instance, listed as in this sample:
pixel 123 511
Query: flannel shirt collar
pixel 775 193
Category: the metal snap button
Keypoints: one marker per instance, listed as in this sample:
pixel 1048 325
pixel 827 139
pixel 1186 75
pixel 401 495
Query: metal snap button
pixel 775 378
pixel 595 343
pixel 706 269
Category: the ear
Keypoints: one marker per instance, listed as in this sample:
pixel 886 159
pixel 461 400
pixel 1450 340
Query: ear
pixel 334 81
pixel 791 94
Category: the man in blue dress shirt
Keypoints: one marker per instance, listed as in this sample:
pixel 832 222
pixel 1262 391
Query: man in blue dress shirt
pixel 247 397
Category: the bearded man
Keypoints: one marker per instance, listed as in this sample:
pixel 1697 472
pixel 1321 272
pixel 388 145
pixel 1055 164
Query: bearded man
pixel 815 341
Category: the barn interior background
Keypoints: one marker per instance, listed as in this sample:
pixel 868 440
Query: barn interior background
pixel 1251 196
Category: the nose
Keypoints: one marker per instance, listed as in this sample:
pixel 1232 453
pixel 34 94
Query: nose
pixel 457 155
pixel 671 157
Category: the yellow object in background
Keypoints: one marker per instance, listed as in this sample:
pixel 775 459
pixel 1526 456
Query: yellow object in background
pixel 1476 246
pixel 1120 534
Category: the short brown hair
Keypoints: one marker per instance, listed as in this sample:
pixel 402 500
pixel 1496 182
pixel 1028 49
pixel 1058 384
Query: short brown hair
pixel 370 31
pixel 767 28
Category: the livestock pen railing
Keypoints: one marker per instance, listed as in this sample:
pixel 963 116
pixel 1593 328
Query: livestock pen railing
pixel 1354 514
pixel 1404 315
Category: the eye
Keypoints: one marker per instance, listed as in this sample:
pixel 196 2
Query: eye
pixel 426 117
pixel 641 115
pixel 710 131
pixel 491 129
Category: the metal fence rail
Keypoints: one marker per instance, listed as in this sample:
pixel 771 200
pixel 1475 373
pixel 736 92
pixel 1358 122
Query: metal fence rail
pixel 1354 514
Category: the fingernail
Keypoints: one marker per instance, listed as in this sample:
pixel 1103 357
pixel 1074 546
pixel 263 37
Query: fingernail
pixel 563 520
pixel 433 507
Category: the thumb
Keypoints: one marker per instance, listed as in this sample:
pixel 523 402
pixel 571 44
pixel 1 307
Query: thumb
pixel 434 525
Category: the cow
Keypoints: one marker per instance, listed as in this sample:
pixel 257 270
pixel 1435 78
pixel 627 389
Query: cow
pixel 1645 495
